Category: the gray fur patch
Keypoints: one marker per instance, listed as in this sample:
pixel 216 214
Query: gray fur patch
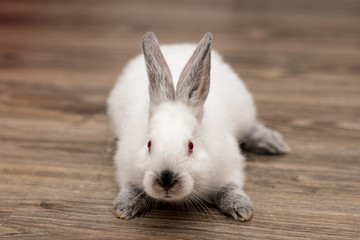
pixel 113 147
pixel 263 140
pixel 232 201
pixel 131 201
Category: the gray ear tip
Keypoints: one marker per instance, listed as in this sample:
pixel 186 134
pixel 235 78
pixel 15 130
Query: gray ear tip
pixel 149 36
pixel 208 36
pixel 207 39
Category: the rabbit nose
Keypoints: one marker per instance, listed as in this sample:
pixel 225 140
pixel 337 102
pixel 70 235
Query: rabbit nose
pixel 166 179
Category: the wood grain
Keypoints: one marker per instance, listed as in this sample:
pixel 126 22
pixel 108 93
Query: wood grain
pixel 59 60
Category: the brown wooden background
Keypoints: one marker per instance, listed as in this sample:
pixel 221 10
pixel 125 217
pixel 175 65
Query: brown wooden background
pixel 59 59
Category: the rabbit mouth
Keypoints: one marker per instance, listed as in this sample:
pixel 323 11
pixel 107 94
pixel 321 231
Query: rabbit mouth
pixel 171 192
pixel 167 185
pixel 171 195
pixel 167 195
pixel 162 194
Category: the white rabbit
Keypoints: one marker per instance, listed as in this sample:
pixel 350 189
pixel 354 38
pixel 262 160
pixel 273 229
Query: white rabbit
pixel 182 144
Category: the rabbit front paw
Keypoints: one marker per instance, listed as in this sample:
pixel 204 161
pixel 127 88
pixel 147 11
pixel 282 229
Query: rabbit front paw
pixel 232 201
pixel 131 202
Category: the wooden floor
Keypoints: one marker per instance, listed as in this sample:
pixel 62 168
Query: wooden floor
pixel 59 60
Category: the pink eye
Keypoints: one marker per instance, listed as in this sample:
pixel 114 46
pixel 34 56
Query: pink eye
pixel 190 147
pixel 149 145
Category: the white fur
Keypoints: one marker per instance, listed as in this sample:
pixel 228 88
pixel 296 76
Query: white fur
pixel 229 114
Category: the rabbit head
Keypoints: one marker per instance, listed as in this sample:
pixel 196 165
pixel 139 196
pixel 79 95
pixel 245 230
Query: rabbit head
pixel 174 153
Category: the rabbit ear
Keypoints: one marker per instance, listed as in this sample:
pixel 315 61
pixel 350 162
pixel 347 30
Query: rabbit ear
pixel 194 81
pixel 161 87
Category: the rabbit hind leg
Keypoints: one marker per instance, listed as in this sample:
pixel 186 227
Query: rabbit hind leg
pixel 263 140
